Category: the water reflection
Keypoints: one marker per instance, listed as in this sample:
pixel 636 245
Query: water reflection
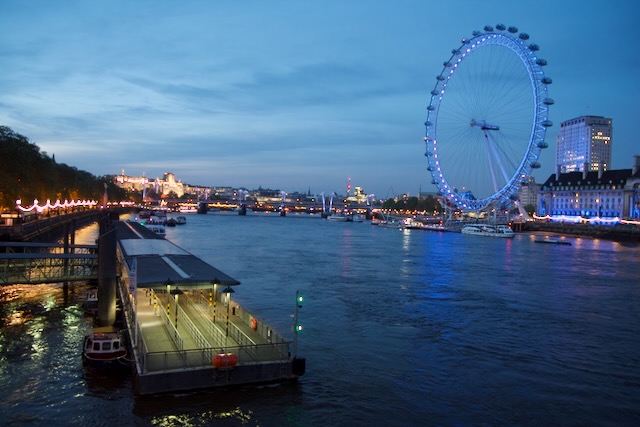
pixel 222 407
pixel 405 328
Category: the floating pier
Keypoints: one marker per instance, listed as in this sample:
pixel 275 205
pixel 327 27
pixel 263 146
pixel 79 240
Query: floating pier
pixel 185 330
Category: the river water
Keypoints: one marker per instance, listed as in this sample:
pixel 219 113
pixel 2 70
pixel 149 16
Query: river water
pixel 401 328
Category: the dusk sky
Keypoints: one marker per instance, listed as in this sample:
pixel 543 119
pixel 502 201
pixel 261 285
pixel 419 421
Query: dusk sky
pixel 288 95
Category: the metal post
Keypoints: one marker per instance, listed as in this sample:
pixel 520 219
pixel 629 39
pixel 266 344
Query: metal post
pixel 228 305
pixel 295 325
pixel 228 290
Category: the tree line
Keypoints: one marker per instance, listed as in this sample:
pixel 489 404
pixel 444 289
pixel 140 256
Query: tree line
pixel 26 173
pixel 428 204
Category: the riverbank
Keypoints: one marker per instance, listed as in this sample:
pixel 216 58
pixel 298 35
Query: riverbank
pixel 618 232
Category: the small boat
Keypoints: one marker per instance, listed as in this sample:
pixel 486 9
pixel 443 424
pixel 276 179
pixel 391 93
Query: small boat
pixel 413 224
pixel 159 229
pixel 386 221
pixel 356 218
pixel 103 348
pixel 553 241
pixel 338 218
pixel 90 304
pixel 488 230
pixel 171 222
pixel 181 220
pixel 157 219
pixel 185 209
pixel 391 223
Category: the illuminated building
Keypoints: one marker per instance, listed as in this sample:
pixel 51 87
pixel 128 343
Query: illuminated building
pixel 528 193
pixel 592 194
pixel 358 196
pixel 584 142
pixel 162 186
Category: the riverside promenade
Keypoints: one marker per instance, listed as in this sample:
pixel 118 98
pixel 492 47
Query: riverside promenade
pixel 618 232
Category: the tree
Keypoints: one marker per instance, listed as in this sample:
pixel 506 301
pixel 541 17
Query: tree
pixel 26 173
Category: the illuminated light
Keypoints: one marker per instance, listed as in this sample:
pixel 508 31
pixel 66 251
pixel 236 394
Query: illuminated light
pixel 38 208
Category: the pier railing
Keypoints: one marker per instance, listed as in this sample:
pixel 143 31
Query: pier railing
pixel 261 328
pixel 194 347
pixel 30 268
pixel 203 357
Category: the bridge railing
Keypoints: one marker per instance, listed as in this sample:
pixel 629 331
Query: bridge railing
pixel 34 268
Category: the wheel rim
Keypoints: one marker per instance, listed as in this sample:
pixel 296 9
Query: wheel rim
pixel 486 120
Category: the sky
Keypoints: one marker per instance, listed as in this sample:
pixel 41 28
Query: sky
pixel 289 95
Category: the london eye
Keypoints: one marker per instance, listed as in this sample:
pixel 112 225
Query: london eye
pixel 487 119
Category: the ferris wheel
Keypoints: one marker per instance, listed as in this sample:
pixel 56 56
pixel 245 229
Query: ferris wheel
pixel 487 119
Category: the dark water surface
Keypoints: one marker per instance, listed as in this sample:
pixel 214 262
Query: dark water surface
pixel 401 328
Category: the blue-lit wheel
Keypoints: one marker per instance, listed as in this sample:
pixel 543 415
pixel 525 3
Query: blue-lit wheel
pixel 487 119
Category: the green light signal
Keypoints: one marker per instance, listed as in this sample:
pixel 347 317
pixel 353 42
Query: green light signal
pixel 298 328
pixel 299 300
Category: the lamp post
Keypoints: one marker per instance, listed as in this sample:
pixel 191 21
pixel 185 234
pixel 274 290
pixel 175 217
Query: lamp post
pixel 176 293
pixel 169 282
pixel 228 290
pixel 215 282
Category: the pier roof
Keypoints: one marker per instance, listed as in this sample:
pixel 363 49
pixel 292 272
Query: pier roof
pixel 160 261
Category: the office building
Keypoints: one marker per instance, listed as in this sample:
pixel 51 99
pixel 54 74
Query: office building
pixel 584 143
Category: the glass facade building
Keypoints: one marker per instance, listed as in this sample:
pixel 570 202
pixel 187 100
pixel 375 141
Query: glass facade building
pixel 584 140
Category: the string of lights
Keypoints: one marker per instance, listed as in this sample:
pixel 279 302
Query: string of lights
pixel 57 205
pixel 580 219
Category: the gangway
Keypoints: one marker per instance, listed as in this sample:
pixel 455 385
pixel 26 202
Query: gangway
pixel 35 263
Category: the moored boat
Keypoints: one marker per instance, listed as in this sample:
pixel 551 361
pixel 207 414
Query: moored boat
pixel 159 229
pixel 553 241
pixel 187 209
pixel 181 220
pixel 356 218
pixel 414 224
pixel 90 304
pixel 338 218
pixel 103 348
pixel 488 230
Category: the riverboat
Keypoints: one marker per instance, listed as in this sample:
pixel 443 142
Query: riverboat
pixel 553 241
pixel 159 229
pixel 104 348
pixel 90 304
pixel 414 224
pixel 390 222
pixel 187 209
pixel 488 230
pixel 338 218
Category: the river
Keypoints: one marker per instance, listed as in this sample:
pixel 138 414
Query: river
pixel 401 328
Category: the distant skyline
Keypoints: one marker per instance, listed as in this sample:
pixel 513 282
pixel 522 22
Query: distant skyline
pixel 282 94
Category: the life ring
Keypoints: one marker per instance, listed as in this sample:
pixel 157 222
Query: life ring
pixel 254 323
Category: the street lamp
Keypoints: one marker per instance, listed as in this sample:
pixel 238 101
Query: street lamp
pixel 228 290
pixel 176 292
pixel 215 282
pixel 169 282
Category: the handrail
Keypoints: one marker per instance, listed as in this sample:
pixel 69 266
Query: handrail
pixel 200 358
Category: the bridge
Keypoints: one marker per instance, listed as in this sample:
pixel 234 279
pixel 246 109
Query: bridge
pixel 34 263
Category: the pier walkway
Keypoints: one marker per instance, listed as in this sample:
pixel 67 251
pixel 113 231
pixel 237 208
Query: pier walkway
pixel 186 331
